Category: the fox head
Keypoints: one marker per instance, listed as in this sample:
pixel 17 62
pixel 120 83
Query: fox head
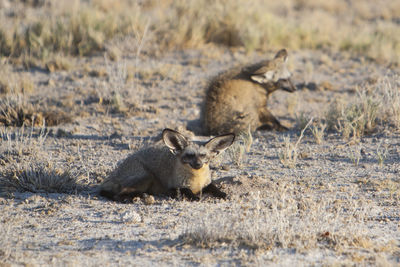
pixel 273 74
pixel 192 154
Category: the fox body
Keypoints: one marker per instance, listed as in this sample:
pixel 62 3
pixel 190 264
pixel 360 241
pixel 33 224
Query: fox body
pixel 178 164
pixel 236 100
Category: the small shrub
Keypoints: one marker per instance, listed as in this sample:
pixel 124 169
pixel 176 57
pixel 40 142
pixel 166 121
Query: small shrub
pixel 302 120
pixel 357 117
pixel 38 178
pixel 355 155
pixel 373 105
pixel 389 86
pixel 22 141
pixel 58 62
pixel 11 83
pixel 15 110
pixel 237 151
pixel 289 153
pixel 318 131
pixel 381 154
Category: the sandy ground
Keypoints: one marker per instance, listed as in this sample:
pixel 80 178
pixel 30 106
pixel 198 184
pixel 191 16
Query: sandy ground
pixel 82 228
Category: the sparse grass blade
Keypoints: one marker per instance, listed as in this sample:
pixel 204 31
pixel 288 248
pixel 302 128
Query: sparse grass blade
pixel 289 153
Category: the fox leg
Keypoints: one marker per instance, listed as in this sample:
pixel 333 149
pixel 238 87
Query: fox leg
pixel 186 192
pixel 131 187
pixel 127 194
pixel 214 191
pixel 120 197
pixel 269 122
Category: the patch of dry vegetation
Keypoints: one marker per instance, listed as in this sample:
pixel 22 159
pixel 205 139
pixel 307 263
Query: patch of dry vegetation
pixel 17 107
pixel 318 131
pixel 82 28
pixel 21 141
pixel 11 83
pixel 116 91
pixel 23 166
pixel 37 177
pixel 374 105
pixel 78 29
pixel 389 87
pixel 292 216
pixel 16 110
pixel 290 152
pixel 237 151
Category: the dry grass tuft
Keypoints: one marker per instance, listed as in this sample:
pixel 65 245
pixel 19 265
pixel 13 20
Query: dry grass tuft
pixel 289 153
pixel 389 87
pixel 15 110
pixel 22 141
pixel 121 92
pixel 58 62
pixel 54 116
pixel 355 155
pixel 373 105
pixel 318 131
pixel 237 151
pixel 115 89
pixel 38 178
pixel 11 83
pixel 302 119
pixel 381 153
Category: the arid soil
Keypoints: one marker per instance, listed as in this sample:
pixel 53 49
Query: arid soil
pixel 337 204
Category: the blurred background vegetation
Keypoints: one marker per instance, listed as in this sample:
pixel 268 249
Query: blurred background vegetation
pixel 39 29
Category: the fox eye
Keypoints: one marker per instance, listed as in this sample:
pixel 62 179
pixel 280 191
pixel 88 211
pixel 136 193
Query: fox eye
pixel 187 157
pixel 203 157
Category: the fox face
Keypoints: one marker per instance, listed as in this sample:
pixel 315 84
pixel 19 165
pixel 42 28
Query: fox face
pixel 195 155
pixel 272 74
pixel 191 171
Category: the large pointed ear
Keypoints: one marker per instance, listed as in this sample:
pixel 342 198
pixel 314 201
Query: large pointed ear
pixel 275 70
pixel 263 76
pixel 174 140
pixel 282 55
pixel 219 143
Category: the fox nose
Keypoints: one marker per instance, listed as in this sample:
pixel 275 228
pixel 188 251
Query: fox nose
pixel 288 86
pixel 196 164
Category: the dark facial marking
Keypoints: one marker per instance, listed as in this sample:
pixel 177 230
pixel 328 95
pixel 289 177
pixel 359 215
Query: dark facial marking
pixel 196 164
pixel 286 84
pixel 194 160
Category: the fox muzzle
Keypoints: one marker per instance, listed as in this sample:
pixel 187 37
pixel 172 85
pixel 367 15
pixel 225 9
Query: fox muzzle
pixel 287 85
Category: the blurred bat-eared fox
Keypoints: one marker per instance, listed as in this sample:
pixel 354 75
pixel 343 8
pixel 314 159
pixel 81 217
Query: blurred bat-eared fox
pixel 236 100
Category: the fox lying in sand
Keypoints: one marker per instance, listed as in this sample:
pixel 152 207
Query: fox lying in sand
pixel 236 100
pixel 179 164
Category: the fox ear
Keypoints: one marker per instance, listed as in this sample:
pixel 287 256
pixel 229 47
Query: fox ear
pixel 174 140
pixel 281 55
pixel 219 143
pixel 263 77
pixel 274 71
